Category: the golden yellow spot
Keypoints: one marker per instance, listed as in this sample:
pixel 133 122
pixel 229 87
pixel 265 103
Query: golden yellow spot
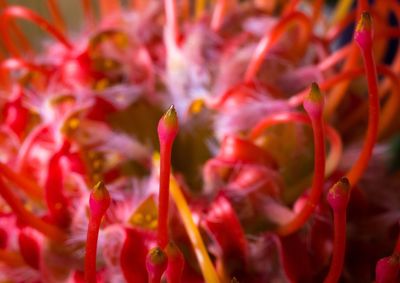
pixel 137 218
pixel 109 64
pixel 97 164
pixel 145 215
pixel 68 98
pixel 73 123
pixel 196 106
pixel 120 40
pixel 101 84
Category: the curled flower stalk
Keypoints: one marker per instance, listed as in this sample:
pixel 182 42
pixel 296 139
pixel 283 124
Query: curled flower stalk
pixel 27 217
pixel 313 104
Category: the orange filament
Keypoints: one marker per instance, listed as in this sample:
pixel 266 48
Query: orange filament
pixel 290 7
pixel 338 28
pixel 336 147
pixel 11 64
pixel 348 75
pixel 108 7
pixel 17 31
pixel 337 94
pixel 11 258
pixel 269 39
pixel 316 10
pixel 27 185
pixel 137 5
pixel 313 105
pixel 56 14
pixel 316 188
pixel 24 13
pixel 50 231
pixel 335 58
pixel 339 91
pixel 88 12
pixel 341 10
pixel 200 6
pixel 331 162
pixel 390 108
pixel 185 10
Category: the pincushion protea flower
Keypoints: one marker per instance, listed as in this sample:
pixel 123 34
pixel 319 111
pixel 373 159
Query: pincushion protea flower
pixel 277 162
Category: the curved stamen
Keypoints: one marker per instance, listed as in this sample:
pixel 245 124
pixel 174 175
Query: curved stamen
pixel 50 231
pixel 269 39
pixel 24 13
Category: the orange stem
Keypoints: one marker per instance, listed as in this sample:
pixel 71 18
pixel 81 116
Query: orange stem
pixel 316 188
pixel 24 13
pixel 108 7
pixel 269 39
pixel 335 58
pixel 332 135
pixel 348 75
pixel 339 91
pixel 317 8
pixel 337 29
pixel 27 185
pixel 24 42
pixel 11 258
pixel 27 217
pixel 390 108
pixel 56 14
pixel 88 12
pixel 290 7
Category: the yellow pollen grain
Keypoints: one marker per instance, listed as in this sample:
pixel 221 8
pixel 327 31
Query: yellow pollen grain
pixel 73 123
pixel 102 84
pixel 97 164
pixel 121 40
pixel 196 106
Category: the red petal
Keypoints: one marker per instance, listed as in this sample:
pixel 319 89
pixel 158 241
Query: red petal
pixel 225 227
pixel 234 149
pixel 133 256
pixel 30 249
